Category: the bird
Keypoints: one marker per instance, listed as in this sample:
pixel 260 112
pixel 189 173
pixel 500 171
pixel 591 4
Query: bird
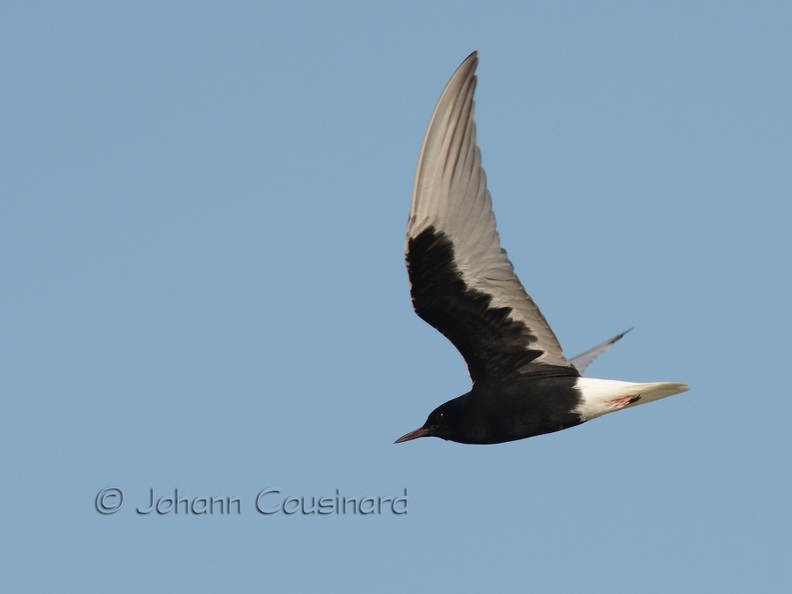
pixel 463 284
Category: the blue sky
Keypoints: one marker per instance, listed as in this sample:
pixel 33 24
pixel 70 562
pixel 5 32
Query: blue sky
pixel 202 218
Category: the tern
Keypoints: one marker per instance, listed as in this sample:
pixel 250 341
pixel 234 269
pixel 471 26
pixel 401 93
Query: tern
pixel 463 284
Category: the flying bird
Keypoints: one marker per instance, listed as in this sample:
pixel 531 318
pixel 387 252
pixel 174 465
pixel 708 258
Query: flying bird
pixel 463 284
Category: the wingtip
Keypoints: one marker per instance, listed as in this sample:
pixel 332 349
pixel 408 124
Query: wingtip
pixel 620 336
pixel 468 65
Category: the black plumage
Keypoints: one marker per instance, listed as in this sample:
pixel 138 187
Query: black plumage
pixel 463 284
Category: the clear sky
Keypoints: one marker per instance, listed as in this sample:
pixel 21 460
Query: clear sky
pixel 202 219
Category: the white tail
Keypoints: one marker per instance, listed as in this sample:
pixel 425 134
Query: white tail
pixel 599 396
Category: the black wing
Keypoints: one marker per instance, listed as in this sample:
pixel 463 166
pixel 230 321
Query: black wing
pixel 462 282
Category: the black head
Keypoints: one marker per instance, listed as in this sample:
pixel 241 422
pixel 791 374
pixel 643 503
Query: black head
pixel 443 422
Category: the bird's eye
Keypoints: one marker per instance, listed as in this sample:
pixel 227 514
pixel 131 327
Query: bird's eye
pixel 440 416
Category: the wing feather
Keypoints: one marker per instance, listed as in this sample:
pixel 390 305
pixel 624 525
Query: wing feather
pixel 583 360
pixel 462 281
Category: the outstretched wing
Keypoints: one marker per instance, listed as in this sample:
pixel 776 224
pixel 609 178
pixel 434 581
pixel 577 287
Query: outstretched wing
pixel 461 281
pixel 583 360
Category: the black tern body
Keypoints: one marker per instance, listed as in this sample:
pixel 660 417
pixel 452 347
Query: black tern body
pixel 463 284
